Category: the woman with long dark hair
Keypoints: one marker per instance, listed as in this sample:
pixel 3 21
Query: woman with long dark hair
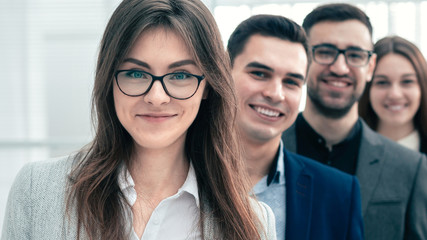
pixel 165 162
pixel 395 102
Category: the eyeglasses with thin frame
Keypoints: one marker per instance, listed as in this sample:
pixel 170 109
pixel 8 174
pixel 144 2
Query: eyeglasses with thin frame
pixel 178 85
pixel 327 54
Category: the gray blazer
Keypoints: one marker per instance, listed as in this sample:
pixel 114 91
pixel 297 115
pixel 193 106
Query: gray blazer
pixel 393 186
pixel 36 206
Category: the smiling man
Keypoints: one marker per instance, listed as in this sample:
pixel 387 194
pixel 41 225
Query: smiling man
pixel 269 56
pixel 393 179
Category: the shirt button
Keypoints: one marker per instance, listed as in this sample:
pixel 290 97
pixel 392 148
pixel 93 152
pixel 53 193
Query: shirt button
pixel 319 140
pixel 156 220
pixel 329 162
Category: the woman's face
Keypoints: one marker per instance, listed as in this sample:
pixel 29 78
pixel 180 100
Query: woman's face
pixel 395 93
pixel 155 120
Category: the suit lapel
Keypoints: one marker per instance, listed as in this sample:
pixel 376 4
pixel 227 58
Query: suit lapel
pixel 369 164
pixel 298 199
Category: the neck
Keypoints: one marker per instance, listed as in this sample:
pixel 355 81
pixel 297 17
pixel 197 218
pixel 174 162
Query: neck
pixel 259 157
pixel 159 173
pixel 395 132
pixel 333 130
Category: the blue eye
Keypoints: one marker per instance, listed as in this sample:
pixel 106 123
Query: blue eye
pixel 135 74
pixel 180 76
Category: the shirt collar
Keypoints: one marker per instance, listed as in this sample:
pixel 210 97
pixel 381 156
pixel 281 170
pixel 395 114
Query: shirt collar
pixel 190 184
pixel 277 169
pixel 276 175
pixel 311 135
pixel 127 185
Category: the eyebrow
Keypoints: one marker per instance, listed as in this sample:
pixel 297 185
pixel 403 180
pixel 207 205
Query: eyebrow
pixel 259 65
pixel 380 76
pixel 296 75
pixel 409 74
pixel 351 47
pixel 263 66
pixel 172 65
pixel 404 75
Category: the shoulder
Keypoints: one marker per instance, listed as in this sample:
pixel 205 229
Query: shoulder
pixel 394 153
pixel 51 170
pixel 37 195
pixel 266 218
pixel 39 178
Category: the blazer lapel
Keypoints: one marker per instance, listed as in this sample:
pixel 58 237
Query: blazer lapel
pixel 298 199
pixel 369 164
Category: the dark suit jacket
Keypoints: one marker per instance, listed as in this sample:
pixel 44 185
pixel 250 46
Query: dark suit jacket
pixel 423 145
pixel 393 185
pixel 322 203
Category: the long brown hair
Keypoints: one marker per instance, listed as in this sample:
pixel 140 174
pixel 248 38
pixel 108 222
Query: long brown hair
pixel 403 47
pixel 211 141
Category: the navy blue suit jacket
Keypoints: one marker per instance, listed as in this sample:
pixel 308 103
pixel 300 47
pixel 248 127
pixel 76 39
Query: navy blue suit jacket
pixel 321 202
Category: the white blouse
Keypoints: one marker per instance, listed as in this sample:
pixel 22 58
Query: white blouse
pixel 412 141
pixel 176 217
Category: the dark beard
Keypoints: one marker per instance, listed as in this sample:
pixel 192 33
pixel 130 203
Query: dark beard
pixel 326 110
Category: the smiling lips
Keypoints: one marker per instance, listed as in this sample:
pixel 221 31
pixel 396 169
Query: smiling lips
pixel 266 111
pixel 156 117
pixel 394 107
pixel 337 82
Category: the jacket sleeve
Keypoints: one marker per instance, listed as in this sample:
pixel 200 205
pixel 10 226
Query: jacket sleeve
pixel 416 215
pixel 18 216
pixel 356 223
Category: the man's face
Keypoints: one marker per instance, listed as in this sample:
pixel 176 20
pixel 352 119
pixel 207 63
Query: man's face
pixel 269 75
pixel 335 88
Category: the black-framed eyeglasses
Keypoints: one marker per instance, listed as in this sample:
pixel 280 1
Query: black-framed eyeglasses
pixel 327 54
pixel 178 85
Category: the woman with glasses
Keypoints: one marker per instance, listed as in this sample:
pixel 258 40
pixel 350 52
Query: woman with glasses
pixel 165 162
pixel 394 102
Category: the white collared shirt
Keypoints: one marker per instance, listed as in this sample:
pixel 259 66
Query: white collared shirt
pixel 176 217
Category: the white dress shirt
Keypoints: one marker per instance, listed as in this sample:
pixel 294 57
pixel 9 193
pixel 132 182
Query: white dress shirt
pixel 176 217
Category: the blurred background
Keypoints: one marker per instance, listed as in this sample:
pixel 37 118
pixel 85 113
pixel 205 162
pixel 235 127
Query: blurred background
pixel 48 53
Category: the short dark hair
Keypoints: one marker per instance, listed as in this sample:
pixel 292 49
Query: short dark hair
pixel 335 12
pixel 265 25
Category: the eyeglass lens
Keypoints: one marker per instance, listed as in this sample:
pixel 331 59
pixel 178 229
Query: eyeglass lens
pixel 328 55
pixel 179 85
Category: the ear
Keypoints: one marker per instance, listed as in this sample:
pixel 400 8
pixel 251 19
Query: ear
pixel 371 67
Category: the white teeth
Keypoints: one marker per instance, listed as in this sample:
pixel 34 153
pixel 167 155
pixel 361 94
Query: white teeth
pixel 267 112
pixel 395 107
pixel 337 83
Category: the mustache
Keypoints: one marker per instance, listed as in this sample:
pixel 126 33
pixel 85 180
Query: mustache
pixel 334 75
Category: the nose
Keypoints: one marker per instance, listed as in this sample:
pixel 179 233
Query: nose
pixel 394 91
pixel 340 66
pixel 273 90
pixel 156 95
